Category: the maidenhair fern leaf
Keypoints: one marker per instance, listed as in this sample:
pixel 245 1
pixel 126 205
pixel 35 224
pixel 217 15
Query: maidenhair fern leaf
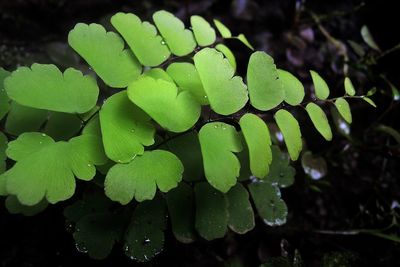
pixel 187 78
pixel 142 38
pixel 13 206
pixel 265 87
pixel 105 53
pixel 173 110
pixel 179 40
pixel 369 101
pixel 211 212
pixel 203 32
pixel 139 178
pixel 22 119
pixel 241 37
pixel 222 29
pixel 348 87
pixel 293 88
pixel 52 166
pixel 125 128
pixel 218 143
pixel 158 73
pixel 258 141
pixel 4 100
pixel 290 129
pixel 46 87
pixel 320 86
pixel 228 54
pixel 344 109
pixel 320 121
pixel 226 93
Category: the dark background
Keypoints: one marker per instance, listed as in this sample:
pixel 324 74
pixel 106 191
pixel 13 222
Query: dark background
pixel 362 181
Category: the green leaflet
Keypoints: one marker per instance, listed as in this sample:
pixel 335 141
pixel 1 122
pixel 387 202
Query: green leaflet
pixel 222 29
pixel 291 132
pixel 344 109
pixel 105 53
pixel 22 119
pixel 4 100
pixel 241 37
pixel 348 87
pixel 142 38
pixel 62 126
pixel 181 208
pixel 13 206
pixel 125 128
pixel 267 199
pixel 144 238
pixel 179 40
pixel 320 121
pixel 241 215
pixel 218 142
pixel 293 88
pixel 158 73
pixel 265 87
pixel 211 212
pixel 139 178
pixel 320 86
pixel 227 93
pixel 369 101
pixel 368 39
pixel 3 156
pixel 228 54
pixel 173 110
pixel 52 166
pixel 258 141
pixel 203 32
pixel 187 78
pixel 187 149
pixel 280 173
pixel 46 87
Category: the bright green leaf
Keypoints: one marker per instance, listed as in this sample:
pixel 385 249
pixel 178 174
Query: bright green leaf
pixel 241 215
pixel 320 86
pixel 142 38
pixel 344 109
pixel 211 212
pixel 348 87
pixel 46 87
pixel 218 143
pixel 186 77
pixel 140 178
pixel 290 129
pixel 241 37
pixel 4 100
pixel 203 32
pixel 265 87
pixel 258 141
pixel 105 53
pixel 320 121
pixel 267 199
pixel 280 173
pixel 15 207
pixel 125 128
pixel 179 40
pixel 22 119
pixel 181 208
pixel 173 110
pixel 293 88
pixel 227 93
pixel 222 29
pixel 158 73
pixel 228 54
pixel 52 166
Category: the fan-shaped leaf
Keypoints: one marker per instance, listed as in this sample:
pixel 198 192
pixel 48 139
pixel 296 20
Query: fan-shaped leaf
pixel 320 86
pixel 203 32
pixel 15 207
pixel 267 199
pixel 280 173
pixel 158 73
pixel 186 77
pixel 291 132
pixel 222 29
pixel 211 212
pixel 22 119
pixel 46 87
pixel 4 100
pixel 265 88
pixel 173 110
pixel 218 142
pixel 52 166
pixel 227 93
pixel 181 208
pixel 348 87
pixel 145 235
pixel 142 38
pixel 105 53
pixel 320 121
pixel 293 88
pixel 179 40
pixel 140 178
pixel 228 54
pixel 241 215
pixel 344 109
pixel 125 128
pixel 258 141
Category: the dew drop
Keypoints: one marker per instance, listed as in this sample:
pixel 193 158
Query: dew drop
pixel 205 97
pixel 223 128
pixel 215 126
pixel 40 142
pixel 133 130
pixel 89 165
pixel 163 42
pixel 81 248
pixel 43 134
pixel 146 241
